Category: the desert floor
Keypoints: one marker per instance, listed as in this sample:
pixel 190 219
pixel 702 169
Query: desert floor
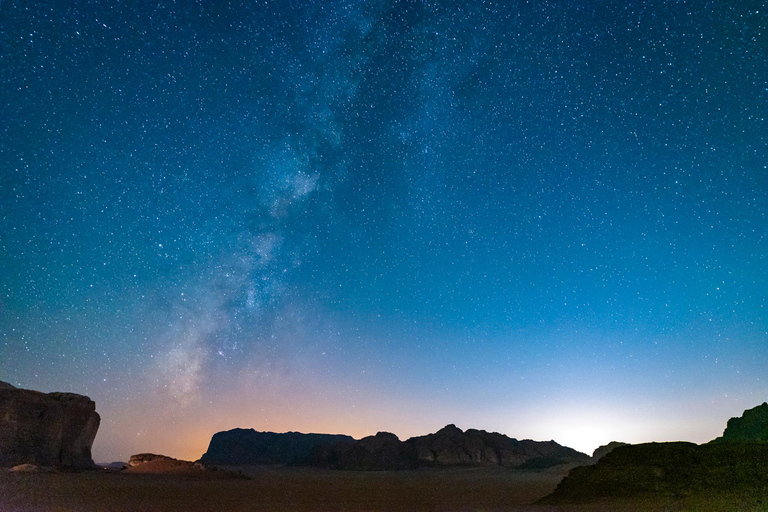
pixel 300 489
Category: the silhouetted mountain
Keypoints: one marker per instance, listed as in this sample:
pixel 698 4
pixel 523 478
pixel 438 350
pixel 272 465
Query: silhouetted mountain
pixel 451 446
pixel 602 451
pixel 735 464
pixel 751 427
pixel 667 469
pixel 249 447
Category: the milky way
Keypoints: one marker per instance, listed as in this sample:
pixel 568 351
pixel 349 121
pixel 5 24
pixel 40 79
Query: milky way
pixel 546 219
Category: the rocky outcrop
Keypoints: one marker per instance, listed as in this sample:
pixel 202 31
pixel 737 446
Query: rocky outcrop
pixel 602 451
pixel 161 464
pixel 751 427
pixel 151 463
pixel 30 468
pixel 735 464
pixel 142 459
pixel 451 446
pixel 46 429
pixel 249 447
pixel 667 469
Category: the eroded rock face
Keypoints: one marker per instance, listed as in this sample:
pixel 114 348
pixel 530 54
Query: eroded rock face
pixel 46 429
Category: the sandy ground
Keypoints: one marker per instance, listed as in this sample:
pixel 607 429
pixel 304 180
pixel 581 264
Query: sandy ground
pixel 301 489
pixel 275 488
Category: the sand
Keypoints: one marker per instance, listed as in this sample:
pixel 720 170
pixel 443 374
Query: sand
pixel 276 488
pixel 304 489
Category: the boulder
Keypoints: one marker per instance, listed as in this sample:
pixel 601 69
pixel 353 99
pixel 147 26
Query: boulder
pixel 46 429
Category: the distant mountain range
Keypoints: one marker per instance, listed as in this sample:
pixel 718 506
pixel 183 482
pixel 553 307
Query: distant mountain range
pixel 450 446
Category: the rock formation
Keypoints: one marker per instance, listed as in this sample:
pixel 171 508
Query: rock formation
pixel 735 464
pixel 151 463
pixel 667 469
pixel 451 446
pixel 751 427
pixel 602 451
pixel 30 468
pixel 143 459
pixel 248 447
pixel 46 429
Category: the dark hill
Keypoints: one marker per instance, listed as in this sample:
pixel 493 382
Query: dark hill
pixel 677 469
pixel 602 451
pixel 249 447
pixel 751 427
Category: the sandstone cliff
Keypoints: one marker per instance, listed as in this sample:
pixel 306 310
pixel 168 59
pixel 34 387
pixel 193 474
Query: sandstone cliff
pixel 46 429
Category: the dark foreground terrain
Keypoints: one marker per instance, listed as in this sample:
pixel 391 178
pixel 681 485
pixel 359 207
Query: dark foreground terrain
pixel 278 488
pixel 305 489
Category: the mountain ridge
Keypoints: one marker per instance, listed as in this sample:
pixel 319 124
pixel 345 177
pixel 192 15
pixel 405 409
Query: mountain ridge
pixel 449 446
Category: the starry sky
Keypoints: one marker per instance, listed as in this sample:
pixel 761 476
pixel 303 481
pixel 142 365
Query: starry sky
pixel 546 219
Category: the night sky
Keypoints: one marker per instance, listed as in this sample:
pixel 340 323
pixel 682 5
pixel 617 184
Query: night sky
pixel 547 219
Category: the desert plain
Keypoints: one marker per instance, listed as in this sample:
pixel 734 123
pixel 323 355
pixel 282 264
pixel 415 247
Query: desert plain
pixel 275 488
